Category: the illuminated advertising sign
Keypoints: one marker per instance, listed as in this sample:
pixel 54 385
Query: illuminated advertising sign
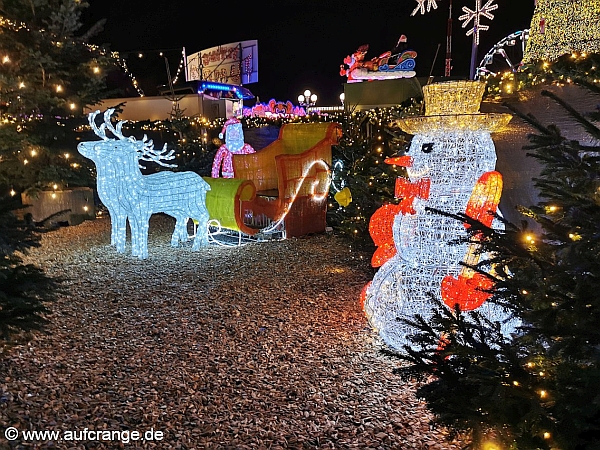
pixel 234 63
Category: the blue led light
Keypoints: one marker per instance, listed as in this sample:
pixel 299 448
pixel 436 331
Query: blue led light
pixel 215 87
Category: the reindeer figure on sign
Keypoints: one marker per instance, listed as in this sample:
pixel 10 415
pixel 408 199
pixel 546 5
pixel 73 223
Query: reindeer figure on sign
pixel 130 195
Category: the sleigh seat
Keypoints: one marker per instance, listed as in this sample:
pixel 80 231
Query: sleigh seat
pixel 291 177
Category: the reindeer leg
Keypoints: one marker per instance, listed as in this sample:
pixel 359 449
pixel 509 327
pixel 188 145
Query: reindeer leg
pixel 201 238
pixel 180 233
pixel 113 227
pixel 135 238
pixel 142 233
pixel 139 233
pixel 184 236
pixel 119 226
pixel 176 234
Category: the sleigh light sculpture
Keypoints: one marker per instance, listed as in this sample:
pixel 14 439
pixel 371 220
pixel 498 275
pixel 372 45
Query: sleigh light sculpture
pixel 130 195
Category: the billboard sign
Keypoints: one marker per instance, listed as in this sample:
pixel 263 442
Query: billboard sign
pixel 234 63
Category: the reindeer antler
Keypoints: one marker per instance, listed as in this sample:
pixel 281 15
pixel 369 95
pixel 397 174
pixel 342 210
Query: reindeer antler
pixel 115 131
pixel 149 153
pixel 100 132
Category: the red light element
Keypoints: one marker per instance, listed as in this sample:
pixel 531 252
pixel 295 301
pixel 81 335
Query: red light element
pixel 485 198
pixel 468 289
pixel 382 220
pixel 403 161
pixel 380 229
pixel 408 191
pixel 467 292
pixel 363 295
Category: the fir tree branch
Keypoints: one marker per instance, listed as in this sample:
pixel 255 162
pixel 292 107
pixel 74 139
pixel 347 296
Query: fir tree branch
pixel 590 127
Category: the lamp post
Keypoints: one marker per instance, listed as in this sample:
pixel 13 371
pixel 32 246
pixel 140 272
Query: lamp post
pixel 307 99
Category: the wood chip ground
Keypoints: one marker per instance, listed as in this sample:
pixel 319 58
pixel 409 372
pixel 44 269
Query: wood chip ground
pixel 262 346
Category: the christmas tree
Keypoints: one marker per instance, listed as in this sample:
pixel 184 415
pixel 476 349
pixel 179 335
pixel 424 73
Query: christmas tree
pixel 48 74
pixel 362 182
pixel 537 388
pixel 24 288
pixel 560 27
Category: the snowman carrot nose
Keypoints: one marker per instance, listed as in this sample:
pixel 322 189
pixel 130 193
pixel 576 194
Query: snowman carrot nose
pixel 403 161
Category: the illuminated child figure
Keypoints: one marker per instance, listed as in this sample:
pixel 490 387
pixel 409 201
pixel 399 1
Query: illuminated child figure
pixel 234 143
pixel 450 166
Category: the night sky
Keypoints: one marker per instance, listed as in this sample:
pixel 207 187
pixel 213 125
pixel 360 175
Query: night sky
pixel 301 44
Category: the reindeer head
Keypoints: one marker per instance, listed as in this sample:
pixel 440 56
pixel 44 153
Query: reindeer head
pixel 120 145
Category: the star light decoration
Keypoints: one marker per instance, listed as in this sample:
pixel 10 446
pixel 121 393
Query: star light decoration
pixel 431 4
pixel 475 16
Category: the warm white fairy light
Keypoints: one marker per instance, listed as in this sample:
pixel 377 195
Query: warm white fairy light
pixel 123 65
pixel 318 191
pixel 475 16
pixel 181 67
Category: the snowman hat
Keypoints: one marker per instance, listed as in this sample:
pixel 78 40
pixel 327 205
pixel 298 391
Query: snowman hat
pixel 454 106
pixel 231 121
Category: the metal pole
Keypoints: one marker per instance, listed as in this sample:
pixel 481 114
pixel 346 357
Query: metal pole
pixel 473 54
pixel 448 65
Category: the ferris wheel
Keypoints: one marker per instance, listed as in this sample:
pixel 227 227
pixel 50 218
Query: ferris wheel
pixel 505 55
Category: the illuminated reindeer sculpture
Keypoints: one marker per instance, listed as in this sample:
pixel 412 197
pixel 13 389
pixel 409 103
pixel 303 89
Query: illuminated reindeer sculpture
pixel 130 195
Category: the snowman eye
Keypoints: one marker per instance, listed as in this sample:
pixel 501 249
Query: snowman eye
pixel 427 147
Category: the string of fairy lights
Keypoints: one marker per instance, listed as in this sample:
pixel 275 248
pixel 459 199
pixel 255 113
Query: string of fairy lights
pixel 122 62
pixel 118 58
pixel 566 70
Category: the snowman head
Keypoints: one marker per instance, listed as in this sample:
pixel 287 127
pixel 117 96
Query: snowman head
pixel 452 142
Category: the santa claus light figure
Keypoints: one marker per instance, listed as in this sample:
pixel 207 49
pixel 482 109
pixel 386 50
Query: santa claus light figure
pixel 234 144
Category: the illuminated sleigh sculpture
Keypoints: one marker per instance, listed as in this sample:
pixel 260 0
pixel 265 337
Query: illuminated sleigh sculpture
pixel 130 195
pixel 291 177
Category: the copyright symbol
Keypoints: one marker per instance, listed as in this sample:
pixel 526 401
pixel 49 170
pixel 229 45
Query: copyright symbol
pixel 11 433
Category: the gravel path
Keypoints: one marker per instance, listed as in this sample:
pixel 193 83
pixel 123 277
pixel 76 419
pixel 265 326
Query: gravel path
pixel 262 346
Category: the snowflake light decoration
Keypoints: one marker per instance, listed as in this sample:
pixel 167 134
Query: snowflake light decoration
pixel 475 16
pixel 431 4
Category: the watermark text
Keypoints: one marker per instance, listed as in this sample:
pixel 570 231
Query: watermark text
pixel 86 434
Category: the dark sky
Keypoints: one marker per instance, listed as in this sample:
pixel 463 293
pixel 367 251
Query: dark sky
pixel 301 44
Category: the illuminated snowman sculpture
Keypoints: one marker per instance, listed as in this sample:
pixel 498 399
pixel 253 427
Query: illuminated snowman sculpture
pixel 450 166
